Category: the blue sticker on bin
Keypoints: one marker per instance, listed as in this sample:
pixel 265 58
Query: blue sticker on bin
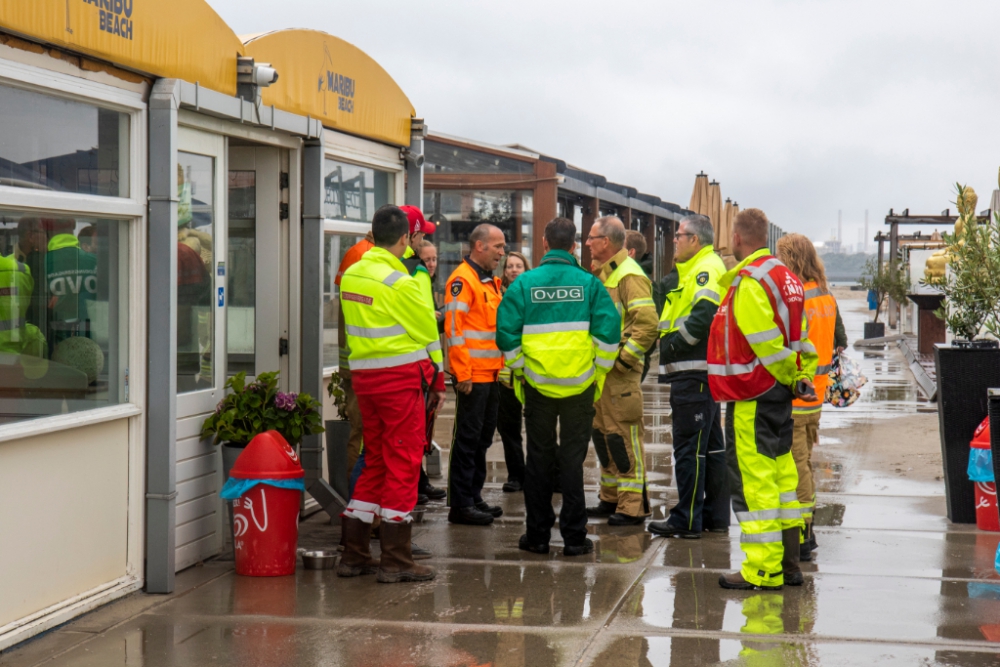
pixel 222 297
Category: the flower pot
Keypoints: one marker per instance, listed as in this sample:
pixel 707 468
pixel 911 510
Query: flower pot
pixel 874 330
pixel 964 374
pixel 338 433
pixel 230 452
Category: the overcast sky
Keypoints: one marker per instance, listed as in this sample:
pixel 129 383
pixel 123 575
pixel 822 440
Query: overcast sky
pixel 799 108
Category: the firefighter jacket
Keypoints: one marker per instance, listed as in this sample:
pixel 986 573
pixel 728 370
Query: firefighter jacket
pixel 632 294
pixel 558 328
pixel 472 297
pixel 687 317
pixel 759 334
pixel 821 316
pixel 390 325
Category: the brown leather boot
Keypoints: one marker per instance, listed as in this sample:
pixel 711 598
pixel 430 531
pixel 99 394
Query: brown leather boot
pixel 790 561
pixel 735 581
pixel 357 557
pixel 397 563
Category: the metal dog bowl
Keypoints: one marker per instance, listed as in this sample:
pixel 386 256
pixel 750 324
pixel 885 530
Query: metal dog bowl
pixel 320 560
pixel 417 515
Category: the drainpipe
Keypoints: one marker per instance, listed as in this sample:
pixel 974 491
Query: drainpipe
pixel 161 389
pixel 311 448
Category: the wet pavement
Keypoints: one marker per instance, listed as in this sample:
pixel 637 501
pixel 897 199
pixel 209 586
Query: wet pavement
pixel 893 582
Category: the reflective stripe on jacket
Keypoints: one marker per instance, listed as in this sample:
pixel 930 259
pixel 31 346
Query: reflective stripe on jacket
pixel 687 315
pixel 470 324
pixel 759 334
pixel 632 294
pixel 558 328
pixel 388 320
pixel 821 317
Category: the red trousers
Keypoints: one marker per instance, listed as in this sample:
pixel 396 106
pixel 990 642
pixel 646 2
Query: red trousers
pixel 394 435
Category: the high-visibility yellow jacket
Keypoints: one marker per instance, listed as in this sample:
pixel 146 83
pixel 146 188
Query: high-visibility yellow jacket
pixel 16 286
pixel 472 297
pixel 687 316
pixel 821 316
pixel 632 294
pixel 558 328
pixel 389 322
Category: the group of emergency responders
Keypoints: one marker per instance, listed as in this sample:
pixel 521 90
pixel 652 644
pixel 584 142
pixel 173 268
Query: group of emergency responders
pixel 573 344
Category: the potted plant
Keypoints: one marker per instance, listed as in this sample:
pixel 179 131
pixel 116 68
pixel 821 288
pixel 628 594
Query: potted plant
pixel 338 435
pixel 970 365
pixel 250 409
pixel 890 280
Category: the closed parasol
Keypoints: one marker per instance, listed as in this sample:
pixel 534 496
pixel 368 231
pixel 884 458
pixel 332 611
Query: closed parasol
pixel 699 196
pixel 725 229
pixel 715 206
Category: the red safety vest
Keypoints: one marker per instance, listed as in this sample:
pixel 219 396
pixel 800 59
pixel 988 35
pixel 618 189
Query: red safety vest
pixel 734 371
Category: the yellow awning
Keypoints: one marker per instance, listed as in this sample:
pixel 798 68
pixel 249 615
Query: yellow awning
pixel 182 39
pixel 324 77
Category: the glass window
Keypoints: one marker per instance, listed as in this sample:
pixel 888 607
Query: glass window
pixel 51 143
pixel 457 213
pixel 444 158
pixel 355 193
pixel 195 272
pixel 241 320
pixel 337 246
pixel 63 314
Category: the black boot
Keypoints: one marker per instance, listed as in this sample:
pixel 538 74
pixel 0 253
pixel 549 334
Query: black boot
pixel 790 560
pixel 602 510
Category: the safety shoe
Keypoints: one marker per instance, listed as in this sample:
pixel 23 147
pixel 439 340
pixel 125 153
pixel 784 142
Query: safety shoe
pixel 419 553
pixel 524 545
pixel 422 499
pixel 603 509
pixel 790 559
pixel 805 552
pixel 579 549
pixel 736 582
pixel 397 563
pixel 513 486
pixel 357 557
pixel 619 519
pixel 469 516
pixel 492 510
pixel 664 529
pixel 432 492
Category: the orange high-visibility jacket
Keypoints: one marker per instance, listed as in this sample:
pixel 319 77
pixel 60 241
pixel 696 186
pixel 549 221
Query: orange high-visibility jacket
pixel 821 315
pixel 470 324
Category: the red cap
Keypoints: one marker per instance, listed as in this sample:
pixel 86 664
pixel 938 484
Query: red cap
pixel 268 456
pixel 417 221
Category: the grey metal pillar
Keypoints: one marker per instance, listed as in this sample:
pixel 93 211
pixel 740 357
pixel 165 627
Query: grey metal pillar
pixel 161 388
pixel 415 165
pixel 893 251
pixel 312 297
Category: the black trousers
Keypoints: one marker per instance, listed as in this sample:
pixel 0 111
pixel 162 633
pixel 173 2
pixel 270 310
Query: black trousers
pixel 475 423
pixel 699 457
pixel 558 434
pixel 509 427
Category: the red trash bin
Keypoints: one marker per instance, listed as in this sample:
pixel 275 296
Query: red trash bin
pixel 266 518
pixel 987 516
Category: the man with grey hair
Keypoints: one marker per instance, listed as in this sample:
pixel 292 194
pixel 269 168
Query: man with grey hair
pixel 618 428
pixel 699 448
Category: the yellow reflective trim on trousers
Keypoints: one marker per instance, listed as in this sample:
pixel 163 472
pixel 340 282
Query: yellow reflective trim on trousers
pixel 807 411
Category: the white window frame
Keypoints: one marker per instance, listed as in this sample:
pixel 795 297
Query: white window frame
pixel 370 155
pixel 132 211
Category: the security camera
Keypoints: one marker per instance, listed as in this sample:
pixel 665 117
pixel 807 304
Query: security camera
pixel 264 75
pixel 415 159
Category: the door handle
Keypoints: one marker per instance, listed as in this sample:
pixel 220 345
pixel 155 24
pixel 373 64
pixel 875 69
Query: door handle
pixel 282 347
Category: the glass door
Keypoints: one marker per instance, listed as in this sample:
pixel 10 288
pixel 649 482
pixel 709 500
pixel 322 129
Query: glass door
pixel 201 289
pixel 256 315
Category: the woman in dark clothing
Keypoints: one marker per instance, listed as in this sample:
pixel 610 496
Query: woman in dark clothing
pixel 509 414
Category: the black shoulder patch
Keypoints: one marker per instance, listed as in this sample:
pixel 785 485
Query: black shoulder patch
pixel 702 278
pixel 456 287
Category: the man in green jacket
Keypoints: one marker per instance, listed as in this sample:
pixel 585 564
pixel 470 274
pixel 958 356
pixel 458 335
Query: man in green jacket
pixel 559 332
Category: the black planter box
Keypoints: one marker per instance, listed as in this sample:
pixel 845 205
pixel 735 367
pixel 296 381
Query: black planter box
pixel 963 376
pixel 338 432
pixel 995 434
pixel 874 330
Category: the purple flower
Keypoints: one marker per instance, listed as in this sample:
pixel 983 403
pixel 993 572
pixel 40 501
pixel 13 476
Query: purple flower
pixel 284 401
